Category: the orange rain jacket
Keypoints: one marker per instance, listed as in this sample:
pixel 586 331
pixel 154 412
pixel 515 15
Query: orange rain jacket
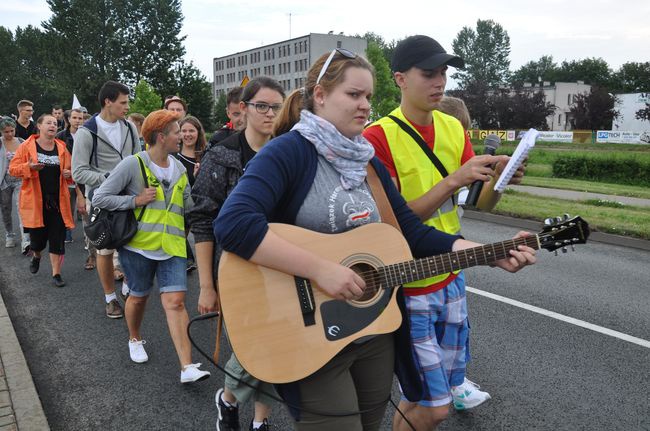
pixel 30 203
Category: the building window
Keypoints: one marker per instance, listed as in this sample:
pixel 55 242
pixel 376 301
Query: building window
pixel 339 44
pixel 559 119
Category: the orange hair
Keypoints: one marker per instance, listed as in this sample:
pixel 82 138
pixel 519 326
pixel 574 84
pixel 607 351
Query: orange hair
pixel 157 122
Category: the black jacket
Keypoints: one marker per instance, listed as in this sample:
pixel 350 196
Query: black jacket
pixel 221 168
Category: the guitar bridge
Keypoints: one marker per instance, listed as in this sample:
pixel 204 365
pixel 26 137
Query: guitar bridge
pixel 306 300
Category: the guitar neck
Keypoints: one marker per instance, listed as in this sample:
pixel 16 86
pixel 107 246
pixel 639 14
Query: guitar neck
pixel 419 269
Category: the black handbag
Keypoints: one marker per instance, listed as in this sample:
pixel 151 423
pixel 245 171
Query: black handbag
pixel 113 229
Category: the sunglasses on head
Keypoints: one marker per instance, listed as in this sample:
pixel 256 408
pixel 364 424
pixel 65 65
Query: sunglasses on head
pixel 343 52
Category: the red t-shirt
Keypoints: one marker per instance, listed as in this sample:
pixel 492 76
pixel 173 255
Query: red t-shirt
pixel 376 136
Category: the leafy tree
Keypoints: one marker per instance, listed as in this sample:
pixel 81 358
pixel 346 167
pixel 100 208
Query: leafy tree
pixel 486 53
pixel 387 48
pixel 593 71
pixel 193 87
pixel 475 96
pixel 632 78
pixel 530 110
pixel 124 40
pixel 594 110
pixel 544 69
pixel 220 116
pixel 505 108
pixel 386 96
pixel 154 44
pixel 146 99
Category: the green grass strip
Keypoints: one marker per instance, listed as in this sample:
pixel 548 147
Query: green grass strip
pixel 627 220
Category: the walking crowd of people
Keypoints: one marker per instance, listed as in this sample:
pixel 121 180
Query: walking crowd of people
pixel 301 159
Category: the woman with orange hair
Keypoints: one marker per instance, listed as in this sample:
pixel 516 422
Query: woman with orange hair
pixel 155 185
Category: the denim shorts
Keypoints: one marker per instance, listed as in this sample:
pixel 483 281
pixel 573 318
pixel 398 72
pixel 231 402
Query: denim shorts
pixel 440 330
pixel 171 274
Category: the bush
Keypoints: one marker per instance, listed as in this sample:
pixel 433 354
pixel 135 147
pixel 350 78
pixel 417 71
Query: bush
pixel 603 168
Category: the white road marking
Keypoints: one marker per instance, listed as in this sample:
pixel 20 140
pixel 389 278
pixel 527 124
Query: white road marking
pixel 625 337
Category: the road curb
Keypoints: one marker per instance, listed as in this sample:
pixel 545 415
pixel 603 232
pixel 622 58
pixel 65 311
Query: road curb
pixel 606 238
pixel 27 407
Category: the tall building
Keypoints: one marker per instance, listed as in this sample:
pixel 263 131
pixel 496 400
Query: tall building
pixel 287 61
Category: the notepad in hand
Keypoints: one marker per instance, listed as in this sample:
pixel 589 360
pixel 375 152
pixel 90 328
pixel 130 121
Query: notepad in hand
pixel 521 152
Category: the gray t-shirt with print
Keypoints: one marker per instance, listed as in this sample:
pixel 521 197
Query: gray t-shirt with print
pixel 328 208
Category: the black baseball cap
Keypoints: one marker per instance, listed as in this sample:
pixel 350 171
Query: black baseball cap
pixel 422 52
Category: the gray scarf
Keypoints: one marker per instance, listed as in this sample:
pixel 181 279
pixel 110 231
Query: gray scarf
pixel 349 157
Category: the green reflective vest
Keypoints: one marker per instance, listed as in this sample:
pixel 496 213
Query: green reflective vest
pixel 163 224
pixel 417 174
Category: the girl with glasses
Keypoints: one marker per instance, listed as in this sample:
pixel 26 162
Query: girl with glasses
pixel 311 177
pixel 221 167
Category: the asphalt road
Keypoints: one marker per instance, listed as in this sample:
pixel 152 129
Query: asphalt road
pixel 542 373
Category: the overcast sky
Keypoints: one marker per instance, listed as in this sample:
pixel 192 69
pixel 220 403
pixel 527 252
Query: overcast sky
pixel 618 31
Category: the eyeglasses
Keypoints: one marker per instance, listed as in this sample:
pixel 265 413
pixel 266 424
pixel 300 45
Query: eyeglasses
pixel 343 52
pixel 263 108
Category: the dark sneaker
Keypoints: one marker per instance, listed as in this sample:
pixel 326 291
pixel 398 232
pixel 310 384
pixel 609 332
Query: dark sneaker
pixel 34 264
pixel 58 281
pixel 264 427
pixel 228 419
pixel 114 310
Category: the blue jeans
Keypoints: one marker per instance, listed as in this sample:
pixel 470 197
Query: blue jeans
pixel 171 274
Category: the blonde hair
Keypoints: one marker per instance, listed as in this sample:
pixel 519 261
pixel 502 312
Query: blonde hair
pixel 456 108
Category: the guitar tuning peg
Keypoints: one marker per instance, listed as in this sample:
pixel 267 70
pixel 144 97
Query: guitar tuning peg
pixel 549 222
pixel 556 252
pixel 558 220
pixel 564 250
pixel 566 216
pixel 573 248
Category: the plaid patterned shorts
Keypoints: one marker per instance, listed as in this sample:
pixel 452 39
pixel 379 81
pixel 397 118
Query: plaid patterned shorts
pixel 440 329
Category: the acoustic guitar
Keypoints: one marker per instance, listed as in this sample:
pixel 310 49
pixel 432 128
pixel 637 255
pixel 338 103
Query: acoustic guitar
pixel 283 328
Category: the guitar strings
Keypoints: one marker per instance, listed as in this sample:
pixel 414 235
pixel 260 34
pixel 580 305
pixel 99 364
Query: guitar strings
pixel 375 276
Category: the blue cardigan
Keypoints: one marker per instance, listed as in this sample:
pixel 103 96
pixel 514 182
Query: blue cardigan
pixel 273 188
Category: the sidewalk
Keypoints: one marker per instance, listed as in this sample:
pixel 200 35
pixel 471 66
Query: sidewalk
pixel 580 196
pixel 20 406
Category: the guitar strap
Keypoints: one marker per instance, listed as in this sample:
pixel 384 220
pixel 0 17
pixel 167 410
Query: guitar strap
pixel 378 192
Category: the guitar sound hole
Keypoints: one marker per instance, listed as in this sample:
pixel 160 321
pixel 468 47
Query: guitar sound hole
pixel 371 277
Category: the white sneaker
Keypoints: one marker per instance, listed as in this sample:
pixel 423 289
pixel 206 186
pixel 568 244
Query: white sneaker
pixel 468 395
pixel 191 373
pixel 10 242
pixel 136 349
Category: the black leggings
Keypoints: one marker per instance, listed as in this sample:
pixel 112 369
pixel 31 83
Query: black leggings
pixel 53 232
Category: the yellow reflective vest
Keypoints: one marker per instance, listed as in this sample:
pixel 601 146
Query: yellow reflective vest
pixel 417 174
pixel 163 224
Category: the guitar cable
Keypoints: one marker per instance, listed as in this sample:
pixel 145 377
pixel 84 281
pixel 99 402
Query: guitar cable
pixel 273 396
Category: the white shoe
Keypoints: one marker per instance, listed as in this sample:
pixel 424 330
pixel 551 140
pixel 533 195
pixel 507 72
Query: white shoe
pixel 468 395
pixel 191 373
pixel 136 350
pixel 10 242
